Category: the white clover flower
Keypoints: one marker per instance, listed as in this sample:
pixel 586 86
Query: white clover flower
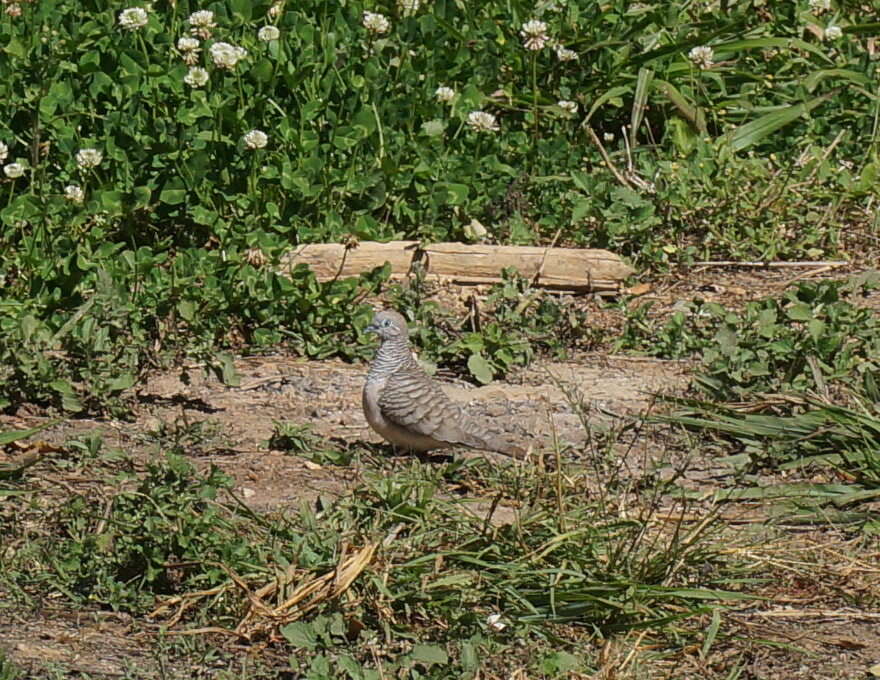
pixel 444 94
pixel 408 7
pixel 187 44
pixel 475 231
pixel 376 23
pixel 702 56
pixel 133 18
pixel 567 106
pixel 74 193
pixel 268 33
pixel 255 139
pixel 276 9
pixel 565 54
pixel 819 6
pixel 4 152
pixel 833 32
pixel 226 55
pixel 14 170
pixel 189 48
pixel 89 158
pixel 482 121
pixel 13 9
pixel 196 77
pixel 494 622
pixel 201 23
pixel 534 34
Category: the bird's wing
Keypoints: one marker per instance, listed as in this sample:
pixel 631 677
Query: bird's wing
pixel 412 400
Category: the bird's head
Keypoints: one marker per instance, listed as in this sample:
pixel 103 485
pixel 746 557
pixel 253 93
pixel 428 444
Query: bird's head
pixel 388 325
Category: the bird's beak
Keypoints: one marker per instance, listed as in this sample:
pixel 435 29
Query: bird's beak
pixel 372 328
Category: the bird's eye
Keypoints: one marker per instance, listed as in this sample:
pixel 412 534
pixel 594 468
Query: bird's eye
pixel 386 323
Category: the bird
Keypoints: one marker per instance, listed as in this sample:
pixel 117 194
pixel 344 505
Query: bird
pixel 408 408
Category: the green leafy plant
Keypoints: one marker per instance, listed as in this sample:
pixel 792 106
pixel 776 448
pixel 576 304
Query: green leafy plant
pixel 175 535
pixel 84 343
pixel 812 336
pixel 147 203
pixel 302 441
pixel 123 551
pixel 520 322
pixel 8 670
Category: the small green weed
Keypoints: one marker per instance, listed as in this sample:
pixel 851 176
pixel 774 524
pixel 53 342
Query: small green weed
pixel 186 436
pixel 8 670
pixel 811 336
pixel 520 322
pixel 155 536
pixel 302 441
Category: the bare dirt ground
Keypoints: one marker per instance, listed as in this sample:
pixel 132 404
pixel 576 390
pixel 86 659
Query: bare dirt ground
pixel 811 626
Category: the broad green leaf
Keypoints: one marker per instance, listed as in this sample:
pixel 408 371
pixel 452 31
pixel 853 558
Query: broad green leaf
pixel 682 134
pixel 263 71
pixel 300 634
pixel 121 382
pixel 141 196
pixel 581 180
pixel 799 311
pixel 455 194
pixel 428 655
pixel 727 340
pixel 111 201
pixel 812 80
pixel 227 373
pixel 187 310
pixel 757 130
pixel 69 400
pixel 480 368
pixel 172 196
pixel 581 209
pixel 16 48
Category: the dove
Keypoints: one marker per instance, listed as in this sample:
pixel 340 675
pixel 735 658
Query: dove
pixel 409 408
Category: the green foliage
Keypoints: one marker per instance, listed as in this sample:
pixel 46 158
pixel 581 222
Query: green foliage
pixel 518 323
pixel 122 551
pixel 356 135
pixel 100 319
pixel 302 441
pixel 711 203
pixel 812 335
pixel 809 336
pixel 323 649
pixel 814 433
pixel 441 572
pixel 161 248
pixel 8 670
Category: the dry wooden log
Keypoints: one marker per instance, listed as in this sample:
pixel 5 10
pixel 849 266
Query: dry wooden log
pixel 335 260
pixel 559 268
pixel 562 268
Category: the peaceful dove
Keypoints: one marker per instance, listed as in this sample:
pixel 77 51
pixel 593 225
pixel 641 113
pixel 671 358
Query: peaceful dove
pixel 408 408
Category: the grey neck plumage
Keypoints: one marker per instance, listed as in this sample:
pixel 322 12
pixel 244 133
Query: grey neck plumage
pixel 391 355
